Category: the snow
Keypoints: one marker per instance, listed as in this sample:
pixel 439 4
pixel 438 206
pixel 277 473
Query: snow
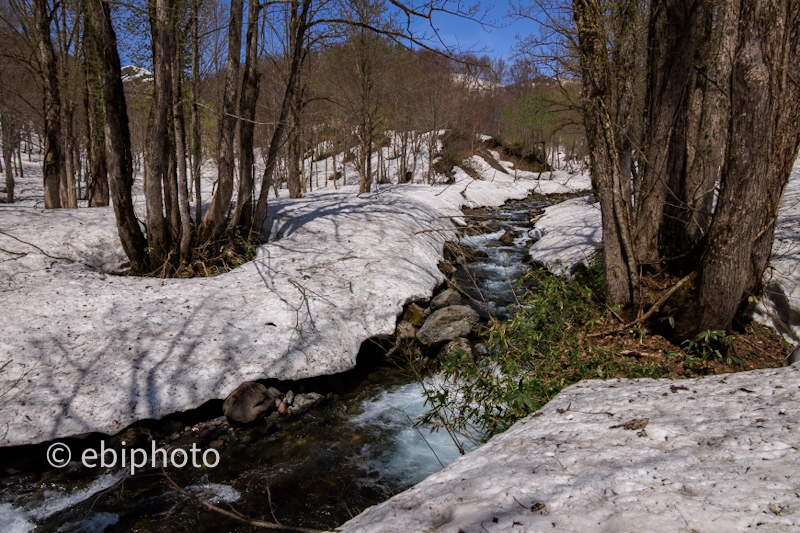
pixel 572 233
pixel 82 350
pixel 780 307
pixel 720 456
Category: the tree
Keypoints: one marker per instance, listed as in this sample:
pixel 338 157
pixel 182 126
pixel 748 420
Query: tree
pixel 53 158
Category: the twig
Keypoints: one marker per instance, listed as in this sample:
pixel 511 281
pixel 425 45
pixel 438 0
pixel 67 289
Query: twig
pixel 649 313
pixel 34 246
pixel 235 515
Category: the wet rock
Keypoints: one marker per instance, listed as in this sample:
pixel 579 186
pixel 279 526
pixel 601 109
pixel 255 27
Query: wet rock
pixel 304 402
pixel 446 267
pixel 283 409
pixel 405 330
pixel 445 298
pixel 171 426
pixel 216 444
pixel 457 346
pixel 447 323
pixel 491 226
pixel 275 393
pixel 507 239
pixel 249 401
pixel 414 314
pixel 135 437
pixel 289 397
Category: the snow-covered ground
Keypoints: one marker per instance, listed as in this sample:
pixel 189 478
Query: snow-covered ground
pixel 82 350
pixel 717 454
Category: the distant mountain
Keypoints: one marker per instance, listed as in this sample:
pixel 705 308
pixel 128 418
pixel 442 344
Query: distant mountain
pixel 134 73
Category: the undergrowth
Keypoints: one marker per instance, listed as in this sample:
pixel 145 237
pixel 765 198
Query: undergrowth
pixel 545 347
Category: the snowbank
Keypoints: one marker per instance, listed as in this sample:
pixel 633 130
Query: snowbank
pixel 82 350
pixel 572 231
pixel 780 307
pixel 717 454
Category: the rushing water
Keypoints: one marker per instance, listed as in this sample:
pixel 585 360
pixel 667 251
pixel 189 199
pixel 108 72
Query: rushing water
pixel 355 449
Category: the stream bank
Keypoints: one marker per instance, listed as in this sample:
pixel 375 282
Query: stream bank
pixel 355 448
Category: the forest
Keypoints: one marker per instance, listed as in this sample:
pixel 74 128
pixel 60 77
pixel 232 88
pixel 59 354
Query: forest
pixel 218 200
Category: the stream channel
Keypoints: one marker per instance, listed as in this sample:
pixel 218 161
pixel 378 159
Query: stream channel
pixel 355 448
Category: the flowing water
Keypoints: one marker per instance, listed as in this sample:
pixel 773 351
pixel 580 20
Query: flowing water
pixel 356 448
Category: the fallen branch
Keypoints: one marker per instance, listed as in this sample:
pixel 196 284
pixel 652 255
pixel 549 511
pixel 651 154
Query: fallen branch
pixel 233 514
pixel 34 246
pixel 653 310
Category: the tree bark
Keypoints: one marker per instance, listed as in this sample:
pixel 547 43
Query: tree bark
pixel 157 146
pixel 763 142
pixel 95 145
pixel 621 275
pixel 243 213
pixel 117 133
pixel 214 222
pixel 196 138
pixel 53 160
pixel 298 27
pixel 185 218
pixel 6 123
pixel 675 30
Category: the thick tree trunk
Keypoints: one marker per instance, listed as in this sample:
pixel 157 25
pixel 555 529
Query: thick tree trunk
pixel 68 193
pixel 214 222
pixel 243 214
pixel 621 275
pixel 117 134
pixel 157 146
pixel 763 141
pixel 676 29
pixel 685 222
pixel 53 160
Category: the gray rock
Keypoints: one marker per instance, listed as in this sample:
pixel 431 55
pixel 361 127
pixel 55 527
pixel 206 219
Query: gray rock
pixel 304 402
pixel 454 346
pixel 414 314
pixel 289 397
pixel 249 401
pixel 405 330
pixel 446 267
pixel 445 299
pixel 507 239
pixel 447 323
pixel 536 234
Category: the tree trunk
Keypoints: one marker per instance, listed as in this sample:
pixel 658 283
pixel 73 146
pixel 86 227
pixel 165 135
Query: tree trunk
pixel 95 145
pixel 157 146
pixel 621 275
pixel 196 139
pixel 763 141
pixel 53 161
pixel 298 26
pixel 180 157
pixel 676 29
pixel 214 222
pixel 68 193
pixel 117 134
pixel 243 214
pixel 6 124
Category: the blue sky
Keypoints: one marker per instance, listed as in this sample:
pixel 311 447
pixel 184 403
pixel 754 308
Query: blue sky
pixel 498 41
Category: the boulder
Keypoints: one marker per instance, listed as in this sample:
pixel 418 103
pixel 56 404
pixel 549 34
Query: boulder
pixel 447 323
pixel 536 234
pixel 414 314
pixel 446 267
pixel 507 239
pixel 445 299
pixel 405 330
pixel 249 401
pixel 304 402
pixel 454 346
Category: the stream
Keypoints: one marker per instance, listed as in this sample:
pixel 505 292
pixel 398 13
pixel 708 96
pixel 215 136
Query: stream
pixel 355 448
